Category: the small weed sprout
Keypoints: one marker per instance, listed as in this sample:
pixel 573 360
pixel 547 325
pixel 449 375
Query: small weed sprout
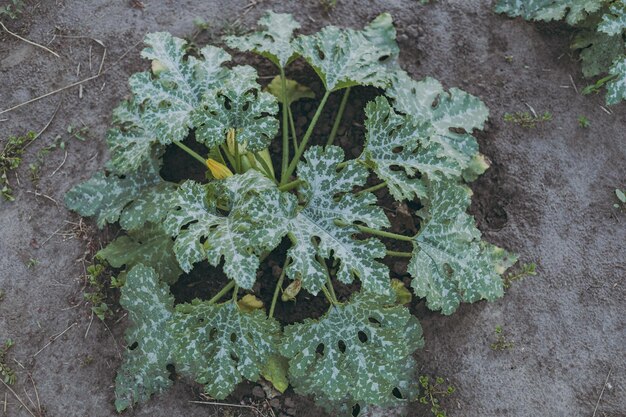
pixel 11 159
pixel 8 375
pixel 501 342
pixel 527 120
pixel 621 196
pixel 13 10
pixel 526 270
pixel 432 394
pixel 583 122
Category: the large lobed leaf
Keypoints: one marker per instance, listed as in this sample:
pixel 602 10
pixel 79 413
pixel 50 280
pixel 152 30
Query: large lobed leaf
pixel 202 232
pixel 273 42
pixel 219 345
pixel 574 11
pixel 358 352
pixel 345 57
pixel 597 51
pixel 616 88
pixel 614 22
pixel 450 263
pixel 314 231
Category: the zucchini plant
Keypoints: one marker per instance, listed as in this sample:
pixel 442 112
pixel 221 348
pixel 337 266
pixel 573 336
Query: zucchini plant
pixel 418 144
pixel 600 36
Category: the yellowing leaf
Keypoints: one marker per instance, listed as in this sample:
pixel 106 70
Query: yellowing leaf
pixel 275 371
pixel 249 303
pixel 295 90
pixel 402 293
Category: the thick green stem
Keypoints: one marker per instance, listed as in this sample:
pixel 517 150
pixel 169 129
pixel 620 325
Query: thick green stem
pixel 329 282
pixel 222 292
pixel 235 291
pixel 279 286
pixel 266 169
pixel 399 254
pixel 229 157
pixel 329 297
pixel 373 188
pixel 338 117
pixel 285 161
pixel 305 139
pixel 376 232
pixel 191 152
pixel 290 185
pixel 293 128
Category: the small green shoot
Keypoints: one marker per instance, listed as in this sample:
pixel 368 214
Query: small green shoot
pixel 2 293
pixel 621 196
pixel 583 122
pixel 328 5
pixel 508 58
pixel 78 133
pixel 13 10
pixel 97 297
pixel 8 375
pixel 527 120
pixel 501 342
pixel 526 270
pixel 11 159
pixel 32 263
pixel 432 393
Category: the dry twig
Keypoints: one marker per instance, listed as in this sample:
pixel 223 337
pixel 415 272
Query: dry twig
pixel 27 41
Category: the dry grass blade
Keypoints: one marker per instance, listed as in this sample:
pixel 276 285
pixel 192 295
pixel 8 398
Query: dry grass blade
pixel 27 41
pixel 18 398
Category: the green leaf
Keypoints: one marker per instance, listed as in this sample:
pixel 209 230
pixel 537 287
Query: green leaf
pixel 395 141
pixel 573 11
pixel 240 104
pixel 170 97
pixel 134 199
pixel 275 371
pixel 598 51
pixel 274 42
pixel 616 88
pixel 295 90
pixel 149 246
pixel 203 233
pixel 219 345
pixel 450 263
pixel 427 101
pixel 614 22
pixel 356 352
pixel 149 305
pixel 316 222
pixel 346 57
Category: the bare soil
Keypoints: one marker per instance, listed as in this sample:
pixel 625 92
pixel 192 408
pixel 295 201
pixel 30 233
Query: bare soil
pixel 548 196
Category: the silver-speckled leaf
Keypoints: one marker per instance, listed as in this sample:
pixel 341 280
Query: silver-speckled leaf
pixel 346 57
pixel 614 22
pixel 572 10
pixel 174 92
pixel 455 109
pixel 134 199
pixel 149 246
pixel 616 88
pixel 357 351
pixel 239 104
pixel 395 141
pixel 273 42
pixel 450 263
pixel 316 221
pixel 597 51
pixel 204 233
pixel 220 345
pixel 149 305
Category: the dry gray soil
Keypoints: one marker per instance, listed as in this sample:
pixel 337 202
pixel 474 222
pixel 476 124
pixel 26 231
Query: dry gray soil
pixel 548 196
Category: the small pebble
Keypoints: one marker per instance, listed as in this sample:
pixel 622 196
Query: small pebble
pixel 258 392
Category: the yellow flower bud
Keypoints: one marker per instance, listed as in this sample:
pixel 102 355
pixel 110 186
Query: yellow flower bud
pixel 249 303
pixel 219 171
pixel 292 290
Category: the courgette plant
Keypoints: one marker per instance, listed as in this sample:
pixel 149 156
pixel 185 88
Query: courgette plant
pixel 600 36
pixel 418 144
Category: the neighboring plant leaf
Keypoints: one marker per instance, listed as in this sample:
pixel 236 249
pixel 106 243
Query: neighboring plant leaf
pixel 395 141
pixel 219 345
pixel 346 57
pixel 239 104
pixel 573 11
pixel 450 263
pixel 295 90
pixel 356 352
pixel 170 97
pixel 273 42
pixel 150 246
pixel 616 88
pixel 149 305
pixel 203 233
pixel 317 221
pixel 598 51
pixel 108 196
pixel 614 22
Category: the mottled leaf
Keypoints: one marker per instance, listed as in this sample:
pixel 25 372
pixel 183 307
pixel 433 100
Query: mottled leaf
pixel 346 57
pixel 394 141
pixel 328 199
pixel 450 263
pixel 614 22
pixel 237 104
pixel 273 42
pixel 573 11
pixel 149 305
pixel 357 351
pixel 149 246
pixel 616 88
pixel 220 345
pixel 598 51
